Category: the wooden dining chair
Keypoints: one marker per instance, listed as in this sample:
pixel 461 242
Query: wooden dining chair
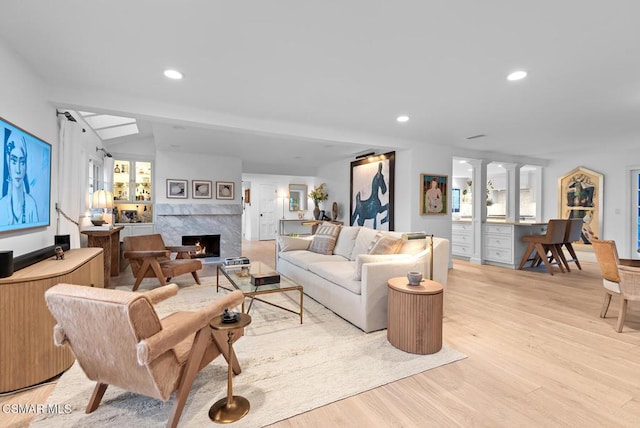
pixel 611 267
pixel 571 234
pixel 545 246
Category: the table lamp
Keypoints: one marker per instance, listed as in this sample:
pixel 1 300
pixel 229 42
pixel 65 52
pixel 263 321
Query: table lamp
pixel 102 199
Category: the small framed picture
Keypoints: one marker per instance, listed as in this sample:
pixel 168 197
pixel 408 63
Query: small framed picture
pixel 433 194
pixel 177 188
pixel 224 190
pixel 201 189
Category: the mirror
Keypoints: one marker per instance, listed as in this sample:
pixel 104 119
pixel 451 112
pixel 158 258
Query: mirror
pixel 297 197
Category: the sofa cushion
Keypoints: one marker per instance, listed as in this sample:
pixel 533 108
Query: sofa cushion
pixel 412 246
pixel 363 242
pixel 324 241
pixel 303 258
pixel 373 258
pixel 290 243
pixel 346 241
pixel 339 273
pixel 385 244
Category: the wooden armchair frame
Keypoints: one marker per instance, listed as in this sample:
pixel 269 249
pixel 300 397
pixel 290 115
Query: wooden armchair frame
pixel 149 257
pixel 135 350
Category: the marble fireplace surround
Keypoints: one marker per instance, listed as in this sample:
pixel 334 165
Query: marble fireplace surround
pixel 175 220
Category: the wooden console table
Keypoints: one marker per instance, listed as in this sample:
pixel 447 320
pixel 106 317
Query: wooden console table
pixel 27 353
pixel 414 318
pixel 109 241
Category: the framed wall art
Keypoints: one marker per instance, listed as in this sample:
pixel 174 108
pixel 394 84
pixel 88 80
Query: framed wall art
pixel 201 189
pixel 225 190
pixel 580 196
pixel 433 194
pixel 177 189
pixel 372 183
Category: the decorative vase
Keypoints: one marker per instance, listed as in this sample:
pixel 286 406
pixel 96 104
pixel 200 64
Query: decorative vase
pixel 316 211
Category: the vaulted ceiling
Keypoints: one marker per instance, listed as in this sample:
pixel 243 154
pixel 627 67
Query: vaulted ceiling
pixel 306 82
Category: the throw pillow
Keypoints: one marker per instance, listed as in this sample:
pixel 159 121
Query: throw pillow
pixel 363 241
pixel 346 241
pixel 291 243
pixel 384 244
pixel 324 241
pixel 372 258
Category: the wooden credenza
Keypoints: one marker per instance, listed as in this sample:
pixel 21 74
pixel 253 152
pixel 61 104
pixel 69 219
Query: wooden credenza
pixel 28 355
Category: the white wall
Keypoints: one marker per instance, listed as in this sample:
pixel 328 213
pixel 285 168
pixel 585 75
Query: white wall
pixel 409 165
pixel 617 212
pixel 23 102
pixel 196 166
pixel 432 160
pixel 251 228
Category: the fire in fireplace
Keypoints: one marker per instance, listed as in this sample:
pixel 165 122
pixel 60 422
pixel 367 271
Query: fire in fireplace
pixel 207 245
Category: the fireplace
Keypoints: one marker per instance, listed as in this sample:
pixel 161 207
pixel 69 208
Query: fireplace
pixel 207 245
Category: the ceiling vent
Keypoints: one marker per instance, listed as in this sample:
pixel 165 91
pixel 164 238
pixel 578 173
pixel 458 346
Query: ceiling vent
pixel 473 137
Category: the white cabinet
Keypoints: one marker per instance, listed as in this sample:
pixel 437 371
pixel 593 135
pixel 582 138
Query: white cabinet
pixel 462 238
pixel 136 230
pixel 502 243
pixel 498 243
pixel 132 191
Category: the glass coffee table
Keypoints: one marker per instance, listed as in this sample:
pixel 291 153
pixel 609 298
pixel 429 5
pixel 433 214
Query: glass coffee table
pixel 242 281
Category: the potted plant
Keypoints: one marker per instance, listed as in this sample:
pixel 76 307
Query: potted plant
pixel 319 193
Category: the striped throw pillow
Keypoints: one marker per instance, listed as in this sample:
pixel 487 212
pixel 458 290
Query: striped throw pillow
pixel 324 241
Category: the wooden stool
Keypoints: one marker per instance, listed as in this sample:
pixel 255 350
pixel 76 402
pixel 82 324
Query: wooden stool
pixel 415 316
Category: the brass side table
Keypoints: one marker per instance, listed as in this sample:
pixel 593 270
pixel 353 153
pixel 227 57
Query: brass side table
pixel 233 407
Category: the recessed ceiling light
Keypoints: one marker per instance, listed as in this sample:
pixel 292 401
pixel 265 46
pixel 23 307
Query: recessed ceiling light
pixel 402 119
pixel 173 74
pixel 517 75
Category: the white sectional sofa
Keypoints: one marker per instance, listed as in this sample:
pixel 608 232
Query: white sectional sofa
pixel 350 280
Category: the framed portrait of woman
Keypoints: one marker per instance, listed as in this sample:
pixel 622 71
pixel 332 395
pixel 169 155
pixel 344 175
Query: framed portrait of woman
pixel 433 194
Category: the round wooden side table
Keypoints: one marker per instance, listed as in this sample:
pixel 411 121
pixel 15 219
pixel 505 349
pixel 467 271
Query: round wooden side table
pixel 414 317
pixel 233 407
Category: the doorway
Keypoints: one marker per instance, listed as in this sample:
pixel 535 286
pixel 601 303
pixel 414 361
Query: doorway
pixel 267 212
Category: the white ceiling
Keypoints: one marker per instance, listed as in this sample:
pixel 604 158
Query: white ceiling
pixel 273 80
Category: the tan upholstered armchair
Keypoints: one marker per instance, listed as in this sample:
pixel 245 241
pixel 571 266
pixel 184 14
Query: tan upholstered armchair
pixel 118 339
pixel 150 258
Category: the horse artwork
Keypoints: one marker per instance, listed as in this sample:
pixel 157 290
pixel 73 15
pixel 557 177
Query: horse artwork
pixel 372 191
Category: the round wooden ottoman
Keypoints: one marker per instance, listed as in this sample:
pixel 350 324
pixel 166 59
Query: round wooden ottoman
pixel 414 317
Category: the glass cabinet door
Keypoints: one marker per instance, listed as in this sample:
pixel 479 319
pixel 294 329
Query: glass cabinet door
pixel 143 181
pixel 121 180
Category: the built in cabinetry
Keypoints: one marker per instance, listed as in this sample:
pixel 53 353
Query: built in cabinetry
pixel 503 244
pixel 462 238
pixel 27 353
pixel 133 192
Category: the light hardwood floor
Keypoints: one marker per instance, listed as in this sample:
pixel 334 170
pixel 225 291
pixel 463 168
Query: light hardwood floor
pixel 538 355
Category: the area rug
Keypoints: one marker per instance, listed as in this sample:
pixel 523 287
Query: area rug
pixel 287 368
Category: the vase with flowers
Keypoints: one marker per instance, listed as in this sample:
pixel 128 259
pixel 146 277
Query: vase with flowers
pixel 319 193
